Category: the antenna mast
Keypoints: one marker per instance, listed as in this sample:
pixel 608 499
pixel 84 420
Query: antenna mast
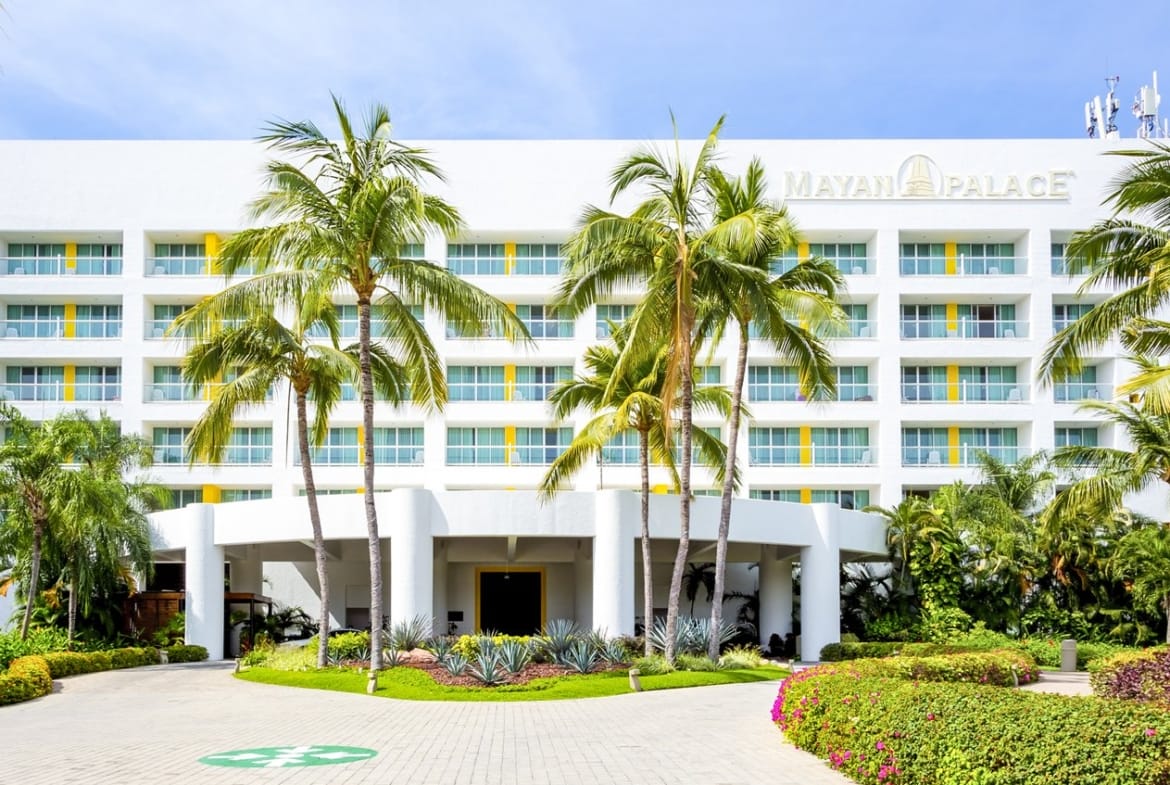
pixel 1101 118
pixel 1145 109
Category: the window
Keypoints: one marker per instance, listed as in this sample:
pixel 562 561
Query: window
pixel 773 383
pixel 1075 437
pixel 178 259
pixel 536 383
pixel 708 375
pixel 989 321
pixel 621 449
pixel 774 446
pixel 169 445
pixel 776 494
pixel 854 499
pixel 98 321
pixel 1079 386
pixel 785 262
pixel 181 497
pixel 925 446
pixel 35 383
pixel 412 251
pixel 924 383
pixel 99 259
pixel 475 446
pixel 850 258
pixel 1064 314
pixel 1059 259
pixel 538 259
pixel 98 383
pixel 841 446
pixel 340 448
pixel 35 321
pixel 540 446
pixel 618 314
pixel 163 316
pixel 1000 443
pixel 251 446
pixel 398 446
pixel 475 383
pixel 543 321
pixel 167 385
pixel 986 259
pixel 476 258
pixel 244 494
pixel 857 315
pixel 36 259
pixel 988 383
pixel 852 383
pixel 923 259
pixel 926 321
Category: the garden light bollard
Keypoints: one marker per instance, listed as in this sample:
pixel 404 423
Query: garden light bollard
pixel 1068 655
pixel 635 682
pixel 372 684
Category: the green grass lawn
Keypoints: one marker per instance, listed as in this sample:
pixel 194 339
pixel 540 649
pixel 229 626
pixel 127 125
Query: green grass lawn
pixel 413 684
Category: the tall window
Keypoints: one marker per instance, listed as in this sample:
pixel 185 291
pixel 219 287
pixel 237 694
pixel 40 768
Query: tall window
pixel 340 448
pixel 538 259
pixel 99 259
pixel 178 259
pixel 924 446
pixel 35 321
pixel 784 262
pixel 1000 443
pixel 169 444
pixel 541 445
pixel 35 383
pixel 98 321
pixel 475 383
pixel 167 385
pixel 986 258
pixel 923 383
pixel 773 383
pixel 853 383
pixel 621 449
pixel 774 446
pixel 990 321
pixel 36 259
pixel 857 316
pixel 1059 259
pixel 181 497
pixel 536 382
pixel 244 494
pixel 476 258
pixel 1078 386
pixel 98 383
pixel 925 321
pixel 988 383
pixel 249 446
pixel 544 321
pixel 850 258
pixel 776 494
pixel 841 446
pixel 851 499
pixel 923 259
pixel 1064 314
pixel 163 316
pixel 617 314
pixel 476 446
pixel 1075 437
pixel 399 446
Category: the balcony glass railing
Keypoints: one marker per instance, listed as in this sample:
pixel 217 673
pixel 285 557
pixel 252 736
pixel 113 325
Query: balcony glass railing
pixel 33 391
pixel 57 265
pixel 156 328
pixel 914 329
pixel 163 392
pixel 831 455
pixel 34 328
pixel 936 267
pixel 965 392
pixel 1063 392
pixel 965 455
pixel 857 391
pixel 861 328
pixel 188 266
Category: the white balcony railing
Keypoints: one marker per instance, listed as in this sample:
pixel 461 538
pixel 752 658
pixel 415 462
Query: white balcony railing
pixel 58 265
pixel 965 392
pixel 917 329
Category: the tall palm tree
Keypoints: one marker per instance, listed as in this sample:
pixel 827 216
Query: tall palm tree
pixel 634 403
pixel 262 351
pixel 1122 252
pixel 344 213
pixel 666 245
pixel 1143 560
pixel 790 311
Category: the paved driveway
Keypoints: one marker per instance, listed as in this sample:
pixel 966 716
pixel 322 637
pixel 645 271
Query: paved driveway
pixel 153 724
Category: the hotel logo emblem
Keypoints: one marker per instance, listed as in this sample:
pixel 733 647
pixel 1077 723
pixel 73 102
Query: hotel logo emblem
pixel 918 177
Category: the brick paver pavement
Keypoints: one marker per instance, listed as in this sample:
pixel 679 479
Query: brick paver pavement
pixel 153 724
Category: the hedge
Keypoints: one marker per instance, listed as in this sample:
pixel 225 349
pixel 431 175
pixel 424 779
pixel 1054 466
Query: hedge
pixel 27 678
pixel 71 663
pixel 1046 652
pixel 895 732
pixel 181 653
pixel 1002 668
pixel 1134 675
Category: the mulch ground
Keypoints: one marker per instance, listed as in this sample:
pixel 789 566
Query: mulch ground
pixel 425 661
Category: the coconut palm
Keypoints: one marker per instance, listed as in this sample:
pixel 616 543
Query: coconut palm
pixel 633 403
pixel 667 247
pixel 789 311
pixel 261 352
pixel 1121 252
pixel 344 213
pixel 1143 560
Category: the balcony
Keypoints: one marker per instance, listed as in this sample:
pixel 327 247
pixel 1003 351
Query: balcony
pixel 170 392
pixel 918 329
pixel 88 329
pixel 964 266
pixel 49 266
pixel 962 455
pixel 184 266
pixel 965 392
pixel 861 328
pixel 832 455
pixel 1071 392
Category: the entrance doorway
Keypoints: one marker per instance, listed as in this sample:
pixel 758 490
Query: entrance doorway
pixel 510 601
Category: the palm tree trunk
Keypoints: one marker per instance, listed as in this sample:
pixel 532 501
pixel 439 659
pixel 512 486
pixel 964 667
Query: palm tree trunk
pixel 72 612
pixel 367 385
pixel 34 576
pixel 318 537
pixel 728 489
pixel 647 563
pixel 684 501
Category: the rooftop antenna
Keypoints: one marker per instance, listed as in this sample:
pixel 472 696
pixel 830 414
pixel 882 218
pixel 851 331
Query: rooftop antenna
pixel 1101 118
pixel 1145 109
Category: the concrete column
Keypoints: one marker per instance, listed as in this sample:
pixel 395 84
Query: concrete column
pixel 615 523
pixel 820 585
pixel 775 595
pixel 440 590
pixel 204 603
pixel 583 586
pixel 412 556
pixel 248 574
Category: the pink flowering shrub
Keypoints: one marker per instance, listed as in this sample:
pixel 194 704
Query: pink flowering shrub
pixel 1134 675
pixel 886 730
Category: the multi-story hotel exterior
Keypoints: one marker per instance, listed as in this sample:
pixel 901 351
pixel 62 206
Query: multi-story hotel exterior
pixel 952 252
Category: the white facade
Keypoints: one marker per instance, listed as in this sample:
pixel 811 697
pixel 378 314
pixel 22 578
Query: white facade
pixel 947 246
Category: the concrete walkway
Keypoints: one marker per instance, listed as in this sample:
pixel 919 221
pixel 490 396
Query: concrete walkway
pixel 1061 683
pixel 153 724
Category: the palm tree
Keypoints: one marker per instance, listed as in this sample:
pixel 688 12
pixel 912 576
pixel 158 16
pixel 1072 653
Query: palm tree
pixel 1122 252
pixel 1143 559
pixel 666 246
pixel 262 352
pixel 633 403
pixel 788 310
pixel 345 212
pixel 699 575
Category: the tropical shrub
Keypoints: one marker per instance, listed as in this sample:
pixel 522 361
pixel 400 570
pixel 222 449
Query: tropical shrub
pixel 653 665
pixel 695 662
pixel 346 646
pixel 488 667
pixel 469 645
pixel 172 632
pixel 439 645
pixel 889 730
pixel 26 678
pixel 71 663
pixel 454 663
pixel 613 653
pixel 410 634
pixel 1134 675
pixel 41 640
pixel 556 638
pixel 1046 651
pixel 581 656
pixel 186 654
pixel 514 655
pixel 691 634
pixel 741 657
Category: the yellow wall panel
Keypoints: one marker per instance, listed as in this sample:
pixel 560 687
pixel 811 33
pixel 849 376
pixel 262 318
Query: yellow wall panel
pixel 509 258
pixel 70 390
pixel 805 444
pixel 71 256
pixel 953 444
pixel 211 248
pixel 70 320
pixel 509 382
pixel 806 495
pixel 952 316
pixel 802 253
pixel 211 494
pixel 952 256
pixel 952 382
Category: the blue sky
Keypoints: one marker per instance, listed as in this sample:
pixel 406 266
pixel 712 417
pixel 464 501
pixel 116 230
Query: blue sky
pixel 218 69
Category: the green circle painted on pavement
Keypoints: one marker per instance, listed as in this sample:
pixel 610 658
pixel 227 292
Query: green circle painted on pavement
pixel 288 757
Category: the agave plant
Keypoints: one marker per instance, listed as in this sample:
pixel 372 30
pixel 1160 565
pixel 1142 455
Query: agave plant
pixel 580 656
pixel 613 653
pixel 391 655
pixel 439 645
pixel 691 636
pixel 488 666
pixel 411 633
pixel 454 663
pixel 556 638
pixel 514 655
